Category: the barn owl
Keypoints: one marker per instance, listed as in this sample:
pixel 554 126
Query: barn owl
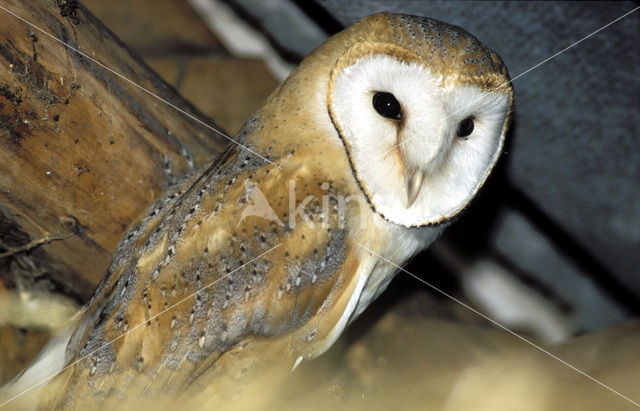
pixel 378 139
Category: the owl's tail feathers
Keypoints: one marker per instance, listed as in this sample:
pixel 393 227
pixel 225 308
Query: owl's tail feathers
pixel 41 312
pixel 23 391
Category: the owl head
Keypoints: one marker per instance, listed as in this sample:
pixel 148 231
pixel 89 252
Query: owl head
pixel 422 109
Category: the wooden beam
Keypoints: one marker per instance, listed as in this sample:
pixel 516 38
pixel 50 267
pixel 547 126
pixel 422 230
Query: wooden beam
pixel 82 150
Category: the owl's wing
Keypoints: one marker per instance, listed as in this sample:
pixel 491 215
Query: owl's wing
pixel 218 281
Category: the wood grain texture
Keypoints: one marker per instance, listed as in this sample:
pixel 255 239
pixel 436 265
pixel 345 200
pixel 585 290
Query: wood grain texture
pixel 82 151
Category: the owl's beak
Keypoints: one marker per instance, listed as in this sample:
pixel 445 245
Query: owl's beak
pixel 413 182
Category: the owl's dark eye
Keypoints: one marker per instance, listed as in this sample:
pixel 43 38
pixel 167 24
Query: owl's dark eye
pixel 465 127
pixel 387 105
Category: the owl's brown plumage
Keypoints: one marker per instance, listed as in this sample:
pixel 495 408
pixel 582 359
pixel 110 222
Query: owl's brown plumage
pixel 201 298
pixel 195 238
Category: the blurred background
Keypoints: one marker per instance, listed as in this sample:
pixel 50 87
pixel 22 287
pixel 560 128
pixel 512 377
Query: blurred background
pixel 550 249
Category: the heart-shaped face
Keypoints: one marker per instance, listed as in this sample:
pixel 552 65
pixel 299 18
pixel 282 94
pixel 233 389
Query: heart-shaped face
pixel 423 119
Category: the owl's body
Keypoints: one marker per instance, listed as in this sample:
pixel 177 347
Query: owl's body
pixel 240 294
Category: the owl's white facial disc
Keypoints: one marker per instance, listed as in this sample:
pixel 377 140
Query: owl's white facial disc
pixel 419 168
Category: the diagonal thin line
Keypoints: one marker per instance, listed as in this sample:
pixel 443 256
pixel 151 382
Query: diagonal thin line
pixel 194 118
pixel 513 79
pixel 574 44
pixel 501 326
pixel 137 326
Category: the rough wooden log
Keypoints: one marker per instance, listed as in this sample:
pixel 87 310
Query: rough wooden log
pixel 82 150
